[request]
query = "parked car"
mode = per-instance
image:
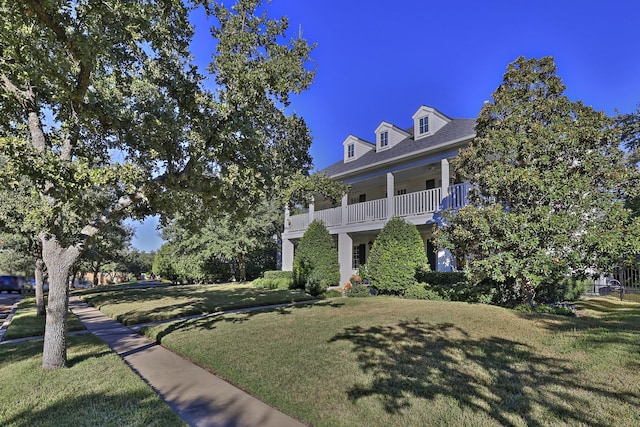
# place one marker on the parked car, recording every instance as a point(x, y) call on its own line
point(12, 284)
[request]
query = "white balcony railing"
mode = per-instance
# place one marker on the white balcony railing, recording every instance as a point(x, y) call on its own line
point(298, 222)
point(330, 217)
point(367, 211)
point(417, 203)
point(458, 196)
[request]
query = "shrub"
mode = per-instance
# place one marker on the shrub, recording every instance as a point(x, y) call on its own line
point(278, 274)
point(331, 293)
point(316, 284)
point(565, 289)
point(396, 256)
point(359, 291)
point(441, 278)
point(421, 291)
point(561, 309)
point(281, 283)
point(317, 256)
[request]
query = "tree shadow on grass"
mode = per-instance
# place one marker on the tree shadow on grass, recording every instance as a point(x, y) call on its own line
point(610, 324)
point(507, 380)
point(188, 300)
point(119, 408)
point(210, 322)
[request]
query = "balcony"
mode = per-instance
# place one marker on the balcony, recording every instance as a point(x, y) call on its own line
point(405, 205)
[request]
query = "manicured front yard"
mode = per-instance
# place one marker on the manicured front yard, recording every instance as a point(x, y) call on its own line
point(97, 390)
point(132, 306)
point(384, 361)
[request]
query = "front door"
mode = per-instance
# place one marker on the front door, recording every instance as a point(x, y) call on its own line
point(431, 255)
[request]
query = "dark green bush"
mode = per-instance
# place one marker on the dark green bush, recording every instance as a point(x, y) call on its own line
point(566, 289)
point(331, 293)
point(281, 283)
point(359, 291)
point(454, 286)
point(421, 291)
point(278, 274)
point(396, 256)
point(441, 278)
point(317, 256)
point(316, 284)
point(561, 309)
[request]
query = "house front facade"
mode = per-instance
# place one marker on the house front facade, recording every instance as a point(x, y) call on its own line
point(404, 173)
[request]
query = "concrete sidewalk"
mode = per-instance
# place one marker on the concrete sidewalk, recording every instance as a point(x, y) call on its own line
point(197, 396)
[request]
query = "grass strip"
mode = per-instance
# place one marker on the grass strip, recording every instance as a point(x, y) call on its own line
point(98, 389)
point(26, 322)
point(142, 305)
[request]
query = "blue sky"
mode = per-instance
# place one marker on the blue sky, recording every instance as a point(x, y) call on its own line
point(380, 60)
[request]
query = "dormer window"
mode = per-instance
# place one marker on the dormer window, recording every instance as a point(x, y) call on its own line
point(384, 139)
point(424, 125)
point(353, 148)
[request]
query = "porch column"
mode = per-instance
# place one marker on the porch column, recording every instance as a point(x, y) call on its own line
point(345, 257)
point(345, 209)
point(287, 216)
point(390, 194)
point(444, 180)
point(287, 255)
point(312, 210)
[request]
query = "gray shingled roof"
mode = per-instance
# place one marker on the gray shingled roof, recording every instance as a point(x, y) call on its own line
point(455, 130)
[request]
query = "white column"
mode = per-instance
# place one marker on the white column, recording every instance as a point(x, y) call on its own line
point(345, 257)
point(287, 216)
point(390, 194)
point(287, 255)
point(345, 209)
point(312, 209)
point(444, 179)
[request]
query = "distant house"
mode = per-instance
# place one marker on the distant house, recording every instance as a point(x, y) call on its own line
point(404, 173)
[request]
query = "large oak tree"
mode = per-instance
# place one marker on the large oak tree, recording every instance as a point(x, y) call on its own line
point(102, 97)
point(550, 182)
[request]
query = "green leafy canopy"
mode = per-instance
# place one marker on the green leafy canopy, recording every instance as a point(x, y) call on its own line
point(550, 183)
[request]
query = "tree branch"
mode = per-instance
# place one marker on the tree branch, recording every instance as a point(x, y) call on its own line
point(27, 99)
point(90, 230)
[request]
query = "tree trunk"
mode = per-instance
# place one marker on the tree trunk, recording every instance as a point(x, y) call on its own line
point(58, 261)
point(242, 267)
point(96, 271)
point(39, 276)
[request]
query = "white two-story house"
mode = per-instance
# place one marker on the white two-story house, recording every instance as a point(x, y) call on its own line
point(405, 173)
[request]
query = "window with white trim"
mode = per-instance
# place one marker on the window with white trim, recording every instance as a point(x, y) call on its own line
point(424, 125)
point(384, 139)
point(351, 151)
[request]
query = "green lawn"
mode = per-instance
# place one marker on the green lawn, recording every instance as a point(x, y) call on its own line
point(132, 306)
point(26, 323)
point(97, 390)
point(385, 361)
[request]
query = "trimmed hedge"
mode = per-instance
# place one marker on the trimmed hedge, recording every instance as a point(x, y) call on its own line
point(359, 291)
point(278, 274)
point(454, 286)
point(441, 278)
point(281, 283)
point(566, 289)
point(421, 291)
point(397, 254)
point(315, 262)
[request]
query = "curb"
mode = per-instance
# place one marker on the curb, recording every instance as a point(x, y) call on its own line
point(7, 321)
